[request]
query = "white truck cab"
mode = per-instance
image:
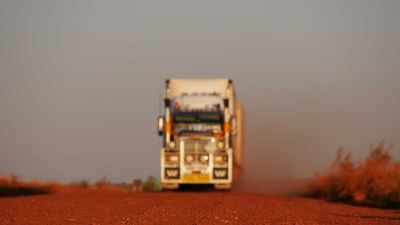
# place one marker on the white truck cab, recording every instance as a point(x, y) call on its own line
point(202, 129)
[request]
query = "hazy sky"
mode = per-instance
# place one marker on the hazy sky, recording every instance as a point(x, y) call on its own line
point(80, 80)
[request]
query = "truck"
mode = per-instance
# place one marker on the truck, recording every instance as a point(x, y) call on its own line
point(202, 128)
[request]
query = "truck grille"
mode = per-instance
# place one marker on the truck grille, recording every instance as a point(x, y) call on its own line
point(194, 149)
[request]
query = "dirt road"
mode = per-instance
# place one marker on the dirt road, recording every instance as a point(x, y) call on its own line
point(115, 207)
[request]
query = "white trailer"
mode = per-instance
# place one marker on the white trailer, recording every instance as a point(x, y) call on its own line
point(202, 129)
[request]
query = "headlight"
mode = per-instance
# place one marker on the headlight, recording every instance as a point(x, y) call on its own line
point(189, 158)
point(218, 158)
point(204, 158)
point(172, 158)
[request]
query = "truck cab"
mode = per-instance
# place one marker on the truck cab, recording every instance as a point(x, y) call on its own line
point(200, 130)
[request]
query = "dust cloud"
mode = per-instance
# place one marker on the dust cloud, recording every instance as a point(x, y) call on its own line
point(293, 131)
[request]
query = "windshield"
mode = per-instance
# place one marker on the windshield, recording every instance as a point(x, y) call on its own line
point(198, 117)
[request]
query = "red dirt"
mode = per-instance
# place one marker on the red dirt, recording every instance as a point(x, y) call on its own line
point(117, 207)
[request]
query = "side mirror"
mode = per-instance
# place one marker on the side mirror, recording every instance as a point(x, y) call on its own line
point(160, 125)
point(234, 126)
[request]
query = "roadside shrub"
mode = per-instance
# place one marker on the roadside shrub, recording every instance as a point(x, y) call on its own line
point(151, 184)
point(374, 180)
point(103, 182)
point(122, 185)
point(84, 183)
point(11, 186)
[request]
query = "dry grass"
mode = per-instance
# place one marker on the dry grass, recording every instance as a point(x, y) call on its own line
point(373, 181)
point(11, 186)
point(149, 185)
